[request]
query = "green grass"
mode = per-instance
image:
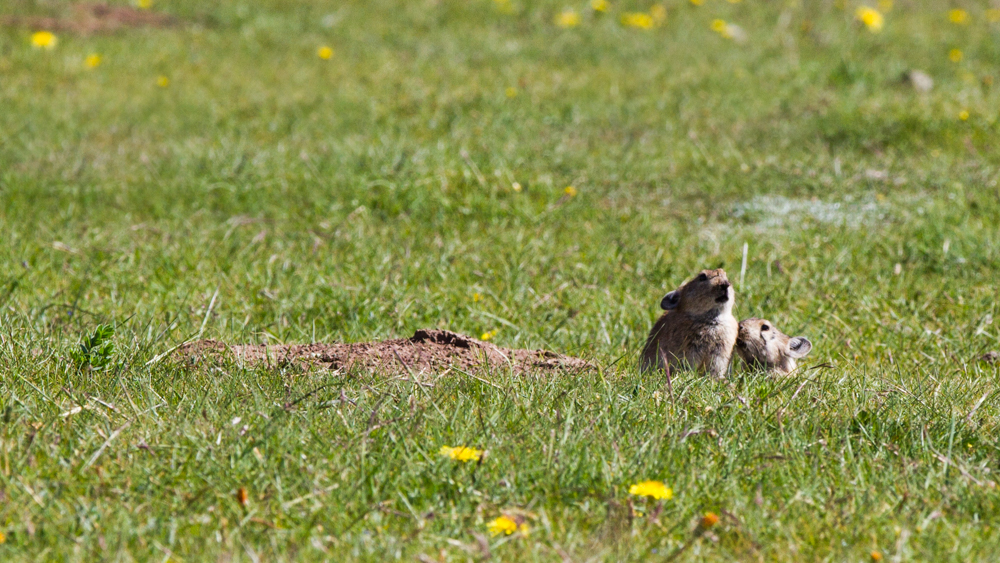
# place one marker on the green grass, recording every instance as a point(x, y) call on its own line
point(368, 195)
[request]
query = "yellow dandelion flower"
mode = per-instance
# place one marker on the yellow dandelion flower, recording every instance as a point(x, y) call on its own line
point(502, 525)
point(871, 17)
point(144, 4)
point(885, 5)
point(655, 489)
point(44, 40)
point(697, 2)
point(477, 297)
point(162, 81)
point(876, 556)
point(487, 336)
point(511, 92)
point(92, 61)
point(567, 19)
point(600, 5)
point(955, 55)
point(708, 520)
point(658, 13)
point(963, 115)
point(324, 53)
point(461, 453)
point(958, 16)
point(639, 20)
point(993, 15)
point(3, 537)
point(570, 191)
point(728, 30)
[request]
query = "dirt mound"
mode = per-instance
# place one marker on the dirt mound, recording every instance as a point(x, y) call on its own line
point(85, 19)
point(427, 351)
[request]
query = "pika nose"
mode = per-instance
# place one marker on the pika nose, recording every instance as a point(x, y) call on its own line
point(724, 285)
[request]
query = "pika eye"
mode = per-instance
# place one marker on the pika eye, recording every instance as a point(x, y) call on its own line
point(764, 327)
point(702, 277)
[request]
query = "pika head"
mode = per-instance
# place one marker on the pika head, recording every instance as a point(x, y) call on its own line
point(707, 293)
point(761, 345)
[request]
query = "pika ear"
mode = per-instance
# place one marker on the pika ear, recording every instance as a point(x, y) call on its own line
point(670, 300)
point(799, 346)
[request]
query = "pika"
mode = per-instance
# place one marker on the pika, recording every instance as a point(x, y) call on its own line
point(761, 345)
point(698, 329)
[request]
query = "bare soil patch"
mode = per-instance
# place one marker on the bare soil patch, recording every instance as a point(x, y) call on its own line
point(427, 351)
point(87, 19)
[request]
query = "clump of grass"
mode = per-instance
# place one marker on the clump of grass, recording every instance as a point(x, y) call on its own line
point(96, 351)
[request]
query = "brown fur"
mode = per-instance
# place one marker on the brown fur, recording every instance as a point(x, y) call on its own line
point(762, 346)
point(698, 330)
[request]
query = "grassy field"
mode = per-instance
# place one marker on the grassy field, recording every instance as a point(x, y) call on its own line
point(220, 178)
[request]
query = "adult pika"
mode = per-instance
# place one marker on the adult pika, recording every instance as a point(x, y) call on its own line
point(698, 329)
point(761, 345)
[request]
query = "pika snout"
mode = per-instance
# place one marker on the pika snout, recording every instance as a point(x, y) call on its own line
point(724, 292)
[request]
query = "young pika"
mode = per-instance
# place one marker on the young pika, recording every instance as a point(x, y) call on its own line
point(698, 330)
point(761, 345)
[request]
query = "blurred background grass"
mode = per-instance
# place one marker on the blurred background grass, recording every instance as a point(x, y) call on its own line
point(428, 159)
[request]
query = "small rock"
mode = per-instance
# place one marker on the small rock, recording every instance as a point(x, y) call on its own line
point(920, 80)
point(737, 33)
point(991, 357)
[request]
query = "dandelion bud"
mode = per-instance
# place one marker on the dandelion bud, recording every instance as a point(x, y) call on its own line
point(708, 520)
